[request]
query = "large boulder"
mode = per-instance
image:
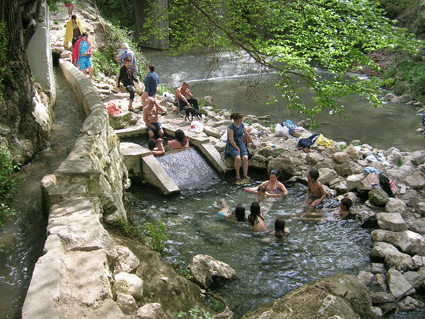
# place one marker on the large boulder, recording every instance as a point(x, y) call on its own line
point(151, 311)
point(129, 284)
point(381, 249)
point(416, 180)
point(386, 236)
point(391, 221)
point(378, 197)
point(412, 243)
point(206, 270)
point(399, 261)
point(335, 296)
point(397, 284)
point(326, 175)
point(340, 157)
point(126, 261)
point(394, 205)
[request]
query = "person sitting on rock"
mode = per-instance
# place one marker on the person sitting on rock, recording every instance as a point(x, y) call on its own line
point(156, 150)
point(150, 117)
point(181, 100)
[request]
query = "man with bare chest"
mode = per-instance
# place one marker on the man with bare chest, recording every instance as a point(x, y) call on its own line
point(180, 96)
point(150, 117)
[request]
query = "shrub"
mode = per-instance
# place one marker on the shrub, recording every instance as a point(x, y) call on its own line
point(7, 184)
point(158, 236)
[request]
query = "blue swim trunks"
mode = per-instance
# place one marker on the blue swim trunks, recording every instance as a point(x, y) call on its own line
point(155, 132)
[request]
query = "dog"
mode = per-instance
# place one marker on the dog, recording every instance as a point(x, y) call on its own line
point(193, 112)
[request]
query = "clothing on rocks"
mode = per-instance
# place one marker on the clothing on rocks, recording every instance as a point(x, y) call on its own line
point(321, 140)
point(112, 108)
point(238, 138)
point(307, 142)
point(71, 33)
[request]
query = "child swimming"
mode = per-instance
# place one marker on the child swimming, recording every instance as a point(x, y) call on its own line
point(256, 219)
point(237, 214)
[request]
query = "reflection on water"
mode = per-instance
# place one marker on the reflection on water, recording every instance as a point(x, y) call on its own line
point(24, 234)
point(233, 86)
point(264, 271)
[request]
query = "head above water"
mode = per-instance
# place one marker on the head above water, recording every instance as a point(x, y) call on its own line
point(261, 190)
point(240, 213)
point(347, 203)
point(279, 227)
point(273, 173)
point(180, 136)
point(314, 174)
point(151, 144)
point(255, 209)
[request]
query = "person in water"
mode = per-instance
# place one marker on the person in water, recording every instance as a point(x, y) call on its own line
point(235, 145)
point(180, 142)
point(315, 191)
point(279, 233)
point(274, 188)
point(237, 214)
point(342, 213)
point(156, 150)
point(256, 219)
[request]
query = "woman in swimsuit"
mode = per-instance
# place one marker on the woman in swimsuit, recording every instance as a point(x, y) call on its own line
point(256, 219)
point(274, 188)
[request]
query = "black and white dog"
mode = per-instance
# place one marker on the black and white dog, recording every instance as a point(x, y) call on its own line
point(193, 112)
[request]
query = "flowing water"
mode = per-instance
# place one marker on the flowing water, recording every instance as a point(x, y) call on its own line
point(241, 85)
point(24, 235)
point(264, 271)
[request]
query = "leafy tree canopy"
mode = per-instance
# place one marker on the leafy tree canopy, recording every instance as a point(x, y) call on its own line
point(293, 37)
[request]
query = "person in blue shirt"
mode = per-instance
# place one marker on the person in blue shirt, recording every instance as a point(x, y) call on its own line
point(151, 85)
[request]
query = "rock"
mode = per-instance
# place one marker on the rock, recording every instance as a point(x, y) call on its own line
point(335, 296)
point(412, 277)
point(353, 181)
point(314, 158)
point(348, 168)
point(207, 101)
point(220, 146)
point(127, 303)
point(409, 304)
point(412, 243)
point(394, 205)
point(378, 268)
point(367, 183)
point(365, 277)
point(365, 217)
point(326, 175)
point(397, 284)
point(212, 132)
point(380, 281)
point(352, 152)
point(340, 157)
point(381, 297)
point(151, 311)
point(418, 158)
point(377, 312)
point(386, 236)
point(126, 261)
point(381, 249)
point(415, 181)
point(129, 284)
point(341, 187)
point(391, 221)
point(399, 261)
point(418, 261)
point(206, 270)
point(378, 197)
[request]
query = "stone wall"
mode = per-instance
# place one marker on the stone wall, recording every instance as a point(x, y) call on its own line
point(73, 277)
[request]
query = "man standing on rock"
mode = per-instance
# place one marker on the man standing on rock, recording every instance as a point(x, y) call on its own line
point(126, 53)
point(151, 85)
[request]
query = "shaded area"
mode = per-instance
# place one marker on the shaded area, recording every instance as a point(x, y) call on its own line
point(24, 235)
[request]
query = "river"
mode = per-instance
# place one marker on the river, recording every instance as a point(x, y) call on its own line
point(239, 84)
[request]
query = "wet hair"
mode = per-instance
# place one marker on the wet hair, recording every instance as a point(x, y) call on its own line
point(85, 34)
point(73, 17)
point(255, 213)
point(314, 174)
point(240, 213)
point(151, 67)
point(273, 172)
point(347, 202)
point(236, 116)
point(279, 227)
point(151, 144)
point(261, 189)
point(181, 137)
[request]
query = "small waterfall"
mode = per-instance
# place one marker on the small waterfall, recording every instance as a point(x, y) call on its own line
point(189, 170)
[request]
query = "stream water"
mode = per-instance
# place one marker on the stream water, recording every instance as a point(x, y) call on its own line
point(239, 84)
point(24, 234)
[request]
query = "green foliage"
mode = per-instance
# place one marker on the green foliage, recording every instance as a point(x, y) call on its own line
point(164, 88)
point(194, 313)
point(127, 229)
point(55, 4)
point(407, 76)
point(7, 184)
point(157, 234)
point(4, 45)
point(399, 162)
point(272, 126)
point(186, 273)
point(294, 38)
point(119, 12)
point(248, 121)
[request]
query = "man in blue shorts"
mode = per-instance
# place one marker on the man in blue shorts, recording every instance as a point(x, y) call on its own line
point(150, 117)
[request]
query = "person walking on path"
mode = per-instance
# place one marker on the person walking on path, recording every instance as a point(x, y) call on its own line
point(127, 78)
point(82, 53)
point(73, 31)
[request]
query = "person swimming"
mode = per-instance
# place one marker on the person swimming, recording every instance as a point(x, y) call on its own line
point(279, 233)
point(237, 214)
point(274, 188)
point(256, 219)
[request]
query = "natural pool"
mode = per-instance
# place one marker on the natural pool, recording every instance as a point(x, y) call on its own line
point(264, 271)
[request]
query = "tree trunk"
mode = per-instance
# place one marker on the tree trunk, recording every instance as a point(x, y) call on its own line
point(17, 86)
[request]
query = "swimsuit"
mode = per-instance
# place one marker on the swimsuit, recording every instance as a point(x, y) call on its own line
point(313, 198)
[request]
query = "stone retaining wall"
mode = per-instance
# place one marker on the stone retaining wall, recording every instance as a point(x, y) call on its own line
point(73, 277)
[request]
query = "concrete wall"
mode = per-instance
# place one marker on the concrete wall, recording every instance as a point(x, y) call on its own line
point(73, 277)
point(158, 10)
point(39, 53)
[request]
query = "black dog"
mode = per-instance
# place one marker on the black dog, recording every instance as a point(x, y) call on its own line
point(193, 112)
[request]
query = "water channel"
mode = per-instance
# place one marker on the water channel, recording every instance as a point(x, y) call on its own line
point(25, 233)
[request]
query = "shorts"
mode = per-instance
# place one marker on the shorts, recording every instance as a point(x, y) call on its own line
point(156, 132)
point(84, 62)
point(313, 198)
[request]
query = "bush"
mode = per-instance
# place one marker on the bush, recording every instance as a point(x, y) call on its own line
point(158, 236)
point(7, 184)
